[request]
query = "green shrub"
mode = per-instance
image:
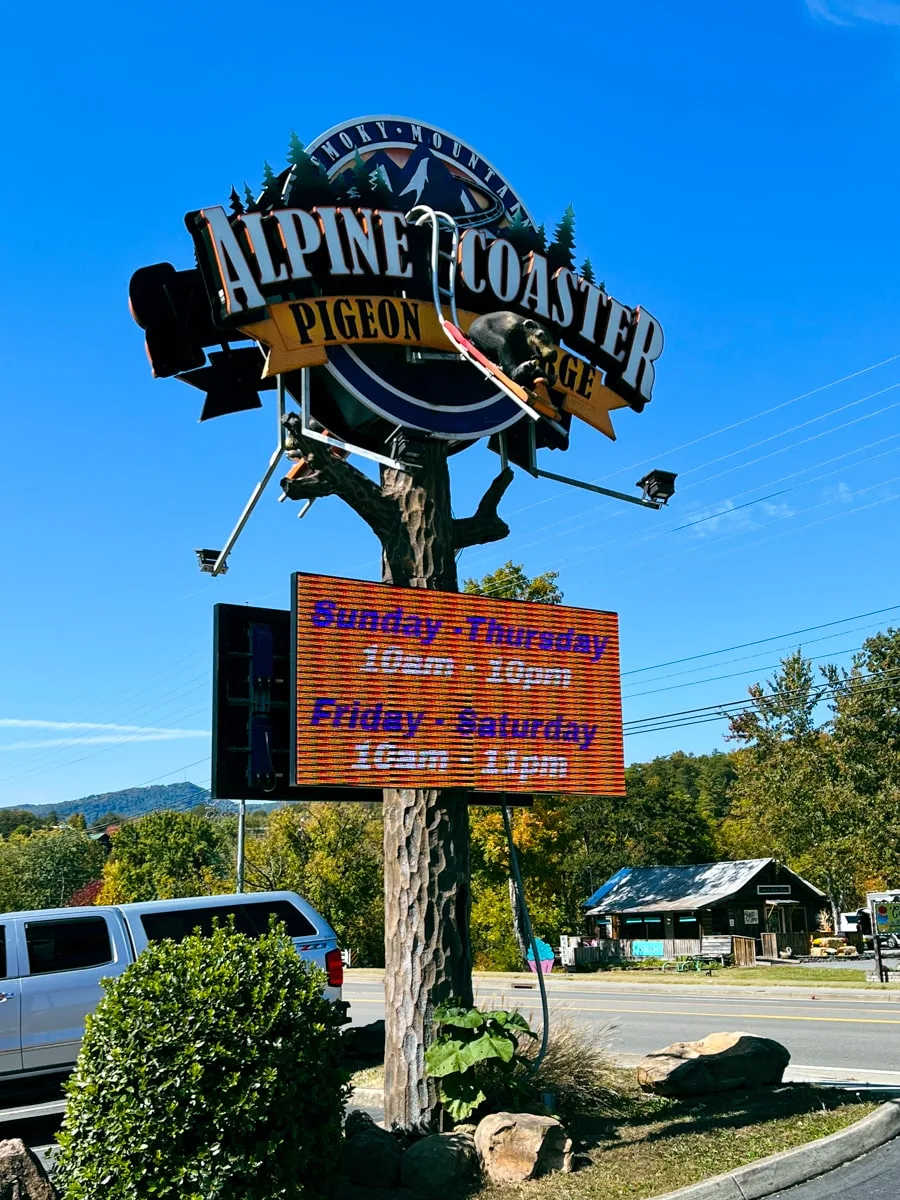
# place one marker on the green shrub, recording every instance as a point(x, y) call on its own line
point(211, 1071)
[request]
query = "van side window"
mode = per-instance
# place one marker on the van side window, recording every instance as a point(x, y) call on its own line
point(250, 919)
point(297, 925)
point(179, 923)
point(3, 970)
point(67, 945)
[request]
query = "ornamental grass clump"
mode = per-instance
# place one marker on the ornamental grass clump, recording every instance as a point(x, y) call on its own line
point(210, 1071)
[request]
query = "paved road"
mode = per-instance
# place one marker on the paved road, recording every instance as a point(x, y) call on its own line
point(849, 1033)
point(875, 1176)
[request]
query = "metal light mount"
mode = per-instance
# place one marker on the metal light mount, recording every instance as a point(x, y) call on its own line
point(207, 559)
point(658, 487)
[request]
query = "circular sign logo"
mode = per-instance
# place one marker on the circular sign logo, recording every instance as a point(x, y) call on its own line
point(408, 163)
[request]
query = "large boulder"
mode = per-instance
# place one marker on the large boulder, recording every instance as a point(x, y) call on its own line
point(372, 1157)
point(440, 1165)
point(21, 1175)
point(364, 1043)
point(514, 1147)
point(722, 1062)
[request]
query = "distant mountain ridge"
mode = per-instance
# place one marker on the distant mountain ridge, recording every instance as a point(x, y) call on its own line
point(129, 803)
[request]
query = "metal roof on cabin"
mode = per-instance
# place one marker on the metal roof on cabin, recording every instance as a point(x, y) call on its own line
point(676, 889)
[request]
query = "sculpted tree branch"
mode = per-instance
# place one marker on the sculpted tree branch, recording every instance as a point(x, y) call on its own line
point(325, 473)
point(486, 525)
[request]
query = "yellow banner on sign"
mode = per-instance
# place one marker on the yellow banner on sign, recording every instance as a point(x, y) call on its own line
point(298, 333)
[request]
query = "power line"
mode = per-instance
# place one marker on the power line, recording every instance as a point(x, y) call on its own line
point(789, 646)
point(729, 708)
point(725, 428)
point(674, 687)
point(674, 662)
point(739, 466)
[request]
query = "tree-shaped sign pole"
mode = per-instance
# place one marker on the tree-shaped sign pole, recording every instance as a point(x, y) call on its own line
point(391, 334)
point(426, 830)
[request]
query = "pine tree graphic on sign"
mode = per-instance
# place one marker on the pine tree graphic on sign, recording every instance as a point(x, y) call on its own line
point(561, 251)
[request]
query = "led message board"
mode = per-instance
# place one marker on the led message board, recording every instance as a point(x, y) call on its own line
point(397, 687)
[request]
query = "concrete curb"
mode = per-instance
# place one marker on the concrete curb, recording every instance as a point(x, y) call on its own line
point(367, 1098)
point(790, 1167)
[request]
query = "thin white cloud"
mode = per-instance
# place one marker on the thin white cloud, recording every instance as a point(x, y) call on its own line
point(849, 12)
point(107, 739)
point(30, 723)
point(725, 515)
point(98, 733)
point(779, 511)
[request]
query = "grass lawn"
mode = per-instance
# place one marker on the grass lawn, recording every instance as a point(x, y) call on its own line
point(763, 976)
point(651, 1145)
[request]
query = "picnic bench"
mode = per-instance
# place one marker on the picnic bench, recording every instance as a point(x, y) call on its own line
point(714, 950)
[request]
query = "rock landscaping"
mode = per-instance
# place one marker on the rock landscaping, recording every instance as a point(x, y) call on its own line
point(503, 1147)
point(721, 1062)
point(21, 1175)
point(516, 1147)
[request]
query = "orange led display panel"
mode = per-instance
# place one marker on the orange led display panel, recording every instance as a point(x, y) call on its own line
point(397, 687)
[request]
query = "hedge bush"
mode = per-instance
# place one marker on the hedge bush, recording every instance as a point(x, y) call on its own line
point(210, 1071)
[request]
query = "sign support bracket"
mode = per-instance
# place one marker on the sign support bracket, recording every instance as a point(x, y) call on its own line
point(329, 439)
point(593, 487)
point(218, 567)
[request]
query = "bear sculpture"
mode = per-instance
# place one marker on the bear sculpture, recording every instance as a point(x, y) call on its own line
point(521, 348)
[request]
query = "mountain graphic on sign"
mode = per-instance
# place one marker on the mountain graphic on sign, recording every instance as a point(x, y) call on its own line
point(426, 179)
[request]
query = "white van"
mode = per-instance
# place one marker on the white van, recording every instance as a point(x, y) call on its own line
point(52, 962)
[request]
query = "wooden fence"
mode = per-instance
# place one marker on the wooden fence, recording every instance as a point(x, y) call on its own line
point(616, 950)
point(744, 951)
point(774, 943)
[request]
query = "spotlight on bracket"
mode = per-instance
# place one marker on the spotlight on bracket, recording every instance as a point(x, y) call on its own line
point(658, 486)
point(207, 559)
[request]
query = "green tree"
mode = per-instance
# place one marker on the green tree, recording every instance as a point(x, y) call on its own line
point(510, 582)
point(308, 184)
point(250, 204)
point(271, 191)
point(382, 193)
point(587, 271)
point(360, 188)
point(77, 821)
point(332, 855)
point(546, 842)
point(44, 869)
point(344, 875)
point(561, 251)
point(15, 820)
point(164, 855)
point(866, 738)
point(235, 202)
point(521, 234)
point(790, 799)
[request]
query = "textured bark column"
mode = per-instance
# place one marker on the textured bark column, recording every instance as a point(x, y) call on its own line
point(426, 936)
point(426, 831)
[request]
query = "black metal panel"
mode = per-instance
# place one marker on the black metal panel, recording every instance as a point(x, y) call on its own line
point(252, 683)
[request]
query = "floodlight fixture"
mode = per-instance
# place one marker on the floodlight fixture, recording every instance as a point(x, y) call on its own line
point(658, 487)
point(207, 560)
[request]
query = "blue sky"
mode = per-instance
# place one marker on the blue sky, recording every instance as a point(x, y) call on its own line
point(733, 169)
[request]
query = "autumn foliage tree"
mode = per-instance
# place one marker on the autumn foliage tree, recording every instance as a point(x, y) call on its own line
point(164, 855)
